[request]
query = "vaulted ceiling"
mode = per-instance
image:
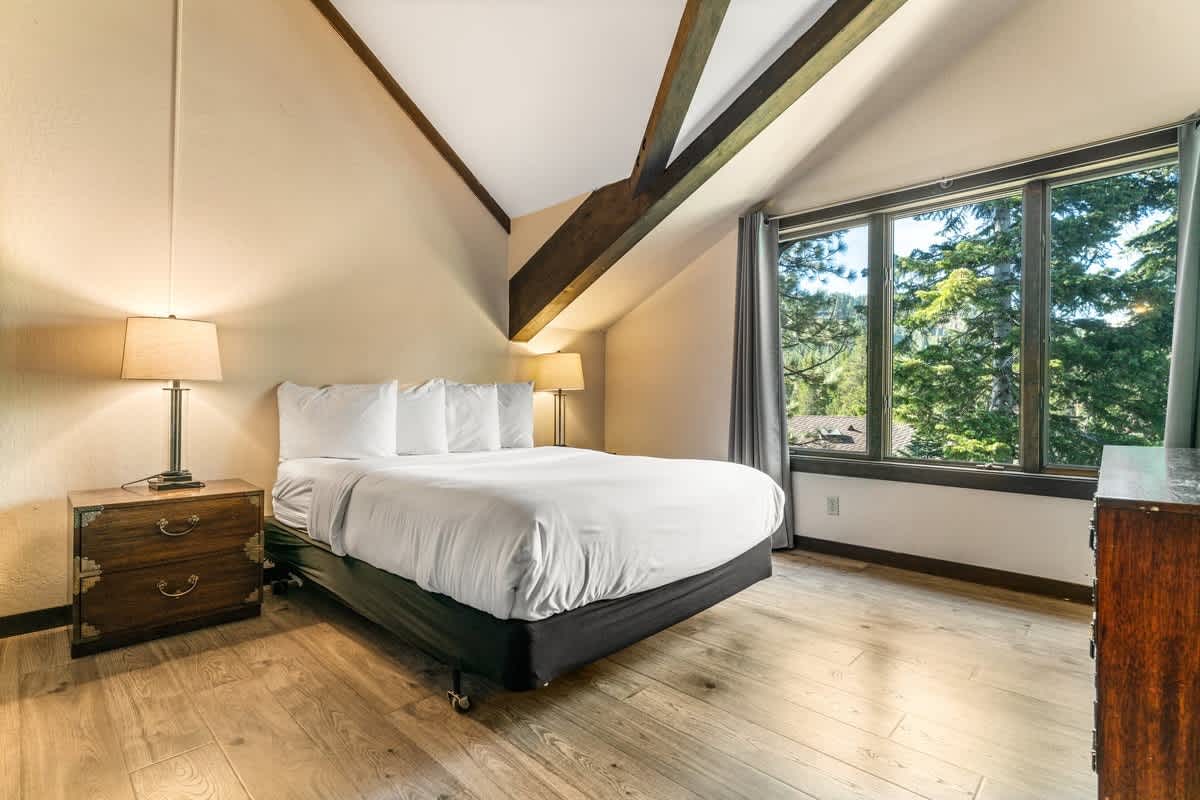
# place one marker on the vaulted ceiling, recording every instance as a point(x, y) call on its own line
point(546, 99)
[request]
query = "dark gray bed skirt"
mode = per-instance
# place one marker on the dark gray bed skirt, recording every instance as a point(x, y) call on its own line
point(515, 653)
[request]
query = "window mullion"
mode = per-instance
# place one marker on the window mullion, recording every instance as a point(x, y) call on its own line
point(1035, 324)
point(878, 335)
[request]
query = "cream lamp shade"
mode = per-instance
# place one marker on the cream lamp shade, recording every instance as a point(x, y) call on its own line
point(558, 372)
point(170, 349)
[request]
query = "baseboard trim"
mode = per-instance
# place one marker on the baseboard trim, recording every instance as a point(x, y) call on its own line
point(30, 621)
point(1030, 584)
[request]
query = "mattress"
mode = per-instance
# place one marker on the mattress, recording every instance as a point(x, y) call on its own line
point(530, 533)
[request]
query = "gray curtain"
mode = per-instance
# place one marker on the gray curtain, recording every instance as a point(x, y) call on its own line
point(1183, 389)
point(757, 417)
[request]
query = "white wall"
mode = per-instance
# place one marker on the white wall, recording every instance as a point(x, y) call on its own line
point(1045, 536)
point(1049, 75)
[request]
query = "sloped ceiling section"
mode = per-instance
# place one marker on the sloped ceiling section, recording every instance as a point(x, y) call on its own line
point(613, 219)
point(542, 100)
point(546, 99)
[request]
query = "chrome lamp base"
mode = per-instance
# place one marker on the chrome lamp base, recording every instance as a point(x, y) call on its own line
point(171, 479)
point(176, 477)
point(560, 418)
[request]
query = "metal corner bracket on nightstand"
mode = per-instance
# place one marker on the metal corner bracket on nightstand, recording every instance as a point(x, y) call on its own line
point(148, 564)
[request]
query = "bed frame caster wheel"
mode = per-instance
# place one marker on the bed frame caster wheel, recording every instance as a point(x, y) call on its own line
point(280, 586)
point(459, 702)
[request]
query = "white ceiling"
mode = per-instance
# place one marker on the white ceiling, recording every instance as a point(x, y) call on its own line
point(546, 99)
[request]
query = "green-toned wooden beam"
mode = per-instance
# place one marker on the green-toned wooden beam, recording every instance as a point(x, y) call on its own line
point(614, 218)
point(694, 39)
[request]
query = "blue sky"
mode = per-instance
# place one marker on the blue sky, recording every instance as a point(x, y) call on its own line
point(909, 234)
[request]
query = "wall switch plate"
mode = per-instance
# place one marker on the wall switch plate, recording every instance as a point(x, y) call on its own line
point(833, 505)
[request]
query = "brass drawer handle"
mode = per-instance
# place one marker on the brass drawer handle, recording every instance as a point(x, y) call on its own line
point(194, 520)
point(192, 581)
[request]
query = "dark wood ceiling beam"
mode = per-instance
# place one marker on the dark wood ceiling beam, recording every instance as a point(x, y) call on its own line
point(376, 67)
point(613, 219)
point(694, 39)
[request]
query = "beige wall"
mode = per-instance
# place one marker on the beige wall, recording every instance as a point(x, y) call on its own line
point(1051, 75)
point(314, 224)
point(669, 363)
point(585, 410)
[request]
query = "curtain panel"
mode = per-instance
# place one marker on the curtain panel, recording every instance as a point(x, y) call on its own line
point(1183, 388)
point(758, 414)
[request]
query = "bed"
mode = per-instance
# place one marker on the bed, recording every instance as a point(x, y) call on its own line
point(523, 564)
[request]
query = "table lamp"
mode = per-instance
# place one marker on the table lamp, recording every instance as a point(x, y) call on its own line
point(170, 349)
point(559, 373)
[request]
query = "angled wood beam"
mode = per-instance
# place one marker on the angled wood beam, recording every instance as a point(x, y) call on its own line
point(613, 219)
point(694, 39)
point(376, 67)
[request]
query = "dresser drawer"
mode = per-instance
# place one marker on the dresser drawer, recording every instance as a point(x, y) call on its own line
point(164, 593)
point(136, 536)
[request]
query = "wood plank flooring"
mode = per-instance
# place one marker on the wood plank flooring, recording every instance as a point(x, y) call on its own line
point(833, 680)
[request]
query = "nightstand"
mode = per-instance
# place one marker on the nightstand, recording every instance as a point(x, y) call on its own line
point(148, 564)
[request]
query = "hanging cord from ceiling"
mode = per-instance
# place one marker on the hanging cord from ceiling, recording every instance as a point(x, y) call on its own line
point(173, 155)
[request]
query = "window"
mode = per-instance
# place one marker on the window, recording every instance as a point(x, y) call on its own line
point(1113, 244)
point(823, 321)
point(956, 278)
point(996, 331)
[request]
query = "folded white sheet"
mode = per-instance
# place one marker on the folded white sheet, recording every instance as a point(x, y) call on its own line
point(291, 496)
point(528, 533)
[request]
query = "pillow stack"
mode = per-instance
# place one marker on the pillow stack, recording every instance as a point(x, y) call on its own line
point(373, 420)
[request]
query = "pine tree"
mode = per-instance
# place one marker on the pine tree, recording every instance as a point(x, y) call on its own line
point(956, 331)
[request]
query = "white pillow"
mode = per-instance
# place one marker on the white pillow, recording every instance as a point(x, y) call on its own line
point(339, 421)
point(472, 417)
point(421, 418)
point(516, 414)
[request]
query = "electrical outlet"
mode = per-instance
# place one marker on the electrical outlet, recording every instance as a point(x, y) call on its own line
point(833, 505)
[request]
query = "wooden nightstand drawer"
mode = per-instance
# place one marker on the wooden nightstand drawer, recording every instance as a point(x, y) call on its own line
point(148, 564)
point(164, 593)
point(127, 538)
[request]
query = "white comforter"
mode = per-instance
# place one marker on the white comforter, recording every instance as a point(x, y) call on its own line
point(528, 533)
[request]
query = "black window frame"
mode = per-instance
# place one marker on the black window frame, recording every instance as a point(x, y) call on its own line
point(835, 226)
point(1033, 179)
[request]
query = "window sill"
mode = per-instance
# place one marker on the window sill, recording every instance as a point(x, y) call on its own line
point(1081, 488)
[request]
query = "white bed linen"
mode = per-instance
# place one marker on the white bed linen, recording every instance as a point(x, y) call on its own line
point(292, 493)
point(529, 533)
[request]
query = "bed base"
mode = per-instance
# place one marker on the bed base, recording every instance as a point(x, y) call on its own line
point(519, 655)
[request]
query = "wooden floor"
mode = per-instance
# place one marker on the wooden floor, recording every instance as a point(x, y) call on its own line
point(831, 680)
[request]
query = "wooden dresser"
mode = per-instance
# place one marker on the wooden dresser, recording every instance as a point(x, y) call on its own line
point(1146, 630)
point(147, 564)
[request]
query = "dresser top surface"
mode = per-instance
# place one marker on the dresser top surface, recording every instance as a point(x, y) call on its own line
point(1159, 475)
point(141, 494)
